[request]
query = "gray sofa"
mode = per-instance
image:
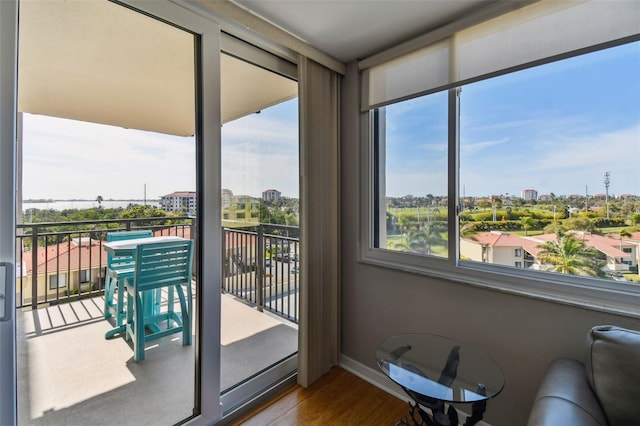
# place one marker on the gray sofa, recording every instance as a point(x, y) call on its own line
point(602, 391)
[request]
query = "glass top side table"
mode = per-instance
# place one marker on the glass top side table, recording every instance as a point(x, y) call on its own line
point(434, 370)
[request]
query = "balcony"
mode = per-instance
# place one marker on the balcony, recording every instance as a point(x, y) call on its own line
point(68, 373)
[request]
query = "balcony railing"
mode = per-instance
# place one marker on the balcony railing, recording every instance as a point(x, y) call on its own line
point(57, 265)
point(262, 266)
point(261, 263)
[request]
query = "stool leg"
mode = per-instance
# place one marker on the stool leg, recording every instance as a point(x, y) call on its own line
point(120, 311)
point(138, 326)
point(108, 296)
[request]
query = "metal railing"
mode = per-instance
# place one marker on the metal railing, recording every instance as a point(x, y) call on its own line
point(261, 263)
point(61, 265)
point(262, 266)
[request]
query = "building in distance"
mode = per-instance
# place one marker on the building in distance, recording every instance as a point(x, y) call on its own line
point(179, 202)
point(271, 195)
point(529, 194)
point(227, 198)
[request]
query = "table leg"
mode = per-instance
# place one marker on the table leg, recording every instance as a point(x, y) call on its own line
point(477, 411)
point(419, 417)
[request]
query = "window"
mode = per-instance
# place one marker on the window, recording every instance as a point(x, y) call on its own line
point(57, 281)
point(528, 159)
point(85, 276)
point(412, 183)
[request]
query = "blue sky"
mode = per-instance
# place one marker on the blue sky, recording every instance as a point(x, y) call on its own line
point(71, 159)
point(555, 128)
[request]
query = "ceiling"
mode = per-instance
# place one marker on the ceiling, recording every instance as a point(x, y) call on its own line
point(352, 29)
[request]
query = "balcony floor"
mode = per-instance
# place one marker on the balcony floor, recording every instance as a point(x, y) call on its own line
point(69, 374)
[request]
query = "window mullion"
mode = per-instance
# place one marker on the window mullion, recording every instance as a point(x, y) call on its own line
point(453, 173)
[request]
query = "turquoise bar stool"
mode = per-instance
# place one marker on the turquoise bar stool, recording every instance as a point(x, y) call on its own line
point(119, 267)
point(158, 266)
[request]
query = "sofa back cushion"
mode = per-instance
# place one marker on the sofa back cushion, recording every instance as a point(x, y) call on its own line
point(613, 368)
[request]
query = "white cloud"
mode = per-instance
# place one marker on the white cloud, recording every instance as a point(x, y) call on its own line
point(473, 148)
point(562, 165)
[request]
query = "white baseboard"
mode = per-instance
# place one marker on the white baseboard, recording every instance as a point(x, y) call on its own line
point(381, 381)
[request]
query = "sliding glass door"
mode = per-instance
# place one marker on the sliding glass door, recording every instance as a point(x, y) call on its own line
point(260, 220)
point(111, 127)
point(107, 113)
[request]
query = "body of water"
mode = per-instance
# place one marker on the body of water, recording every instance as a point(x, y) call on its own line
point(66, 204)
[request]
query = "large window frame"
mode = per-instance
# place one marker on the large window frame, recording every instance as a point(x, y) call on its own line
point(601, 295)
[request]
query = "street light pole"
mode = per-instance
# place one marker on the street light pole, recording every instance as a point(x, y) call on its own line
point(606, 193)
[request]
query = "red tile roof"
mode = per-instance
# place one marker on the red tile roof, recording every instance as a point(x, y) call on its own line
point(67, 256)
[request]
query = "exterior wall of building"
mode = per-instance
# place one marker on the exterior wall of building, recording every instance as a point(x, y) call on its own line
point(242, 212)
point(179, 202)
point(471, 250)
point(24, 289)
point(271, 195)
point(227, 198)
point(502, 256)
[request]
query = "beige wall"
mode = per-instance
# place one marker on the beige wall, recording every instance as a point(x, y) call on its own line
point(24, 290)
point(471, 250)
point(504, 256)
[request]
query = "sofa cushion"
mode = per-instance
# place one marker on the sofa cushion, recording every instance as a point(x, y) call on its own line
point(613, 369)
point(565, 398)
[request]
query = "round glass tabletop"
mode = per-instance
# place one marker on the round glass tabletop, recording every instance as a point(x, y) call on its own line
point(439, 368)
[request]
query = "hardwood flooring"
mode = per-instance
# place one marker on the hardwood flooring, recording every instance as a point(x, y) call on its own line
point(338, 398)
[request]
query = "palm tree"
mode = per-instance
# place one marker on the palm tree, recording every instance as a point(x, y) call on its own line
point(569, 255)
point(527, 223)
point(420, 239)
point(99, 199)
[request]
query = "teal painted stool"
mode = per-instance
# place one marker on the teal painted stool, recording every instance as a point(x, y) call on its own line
point(118, 268)
point(158, 266)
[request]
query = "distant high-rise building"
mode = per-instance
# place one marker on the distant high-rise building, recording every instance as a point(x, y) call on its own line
point(178, 202)
point(271, 195)
point(529, 194)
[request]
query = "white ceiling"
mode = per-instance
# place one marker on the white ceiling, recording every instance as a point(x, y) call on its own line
point(351, 29)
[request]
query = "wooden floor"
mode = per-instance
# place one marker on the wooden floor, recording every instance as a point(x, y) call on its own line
point(338, 398)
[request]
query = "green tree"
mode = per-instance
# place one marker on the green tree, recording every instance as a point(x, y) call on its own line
point(422, 238)
point(569, 255)
point(527, 223)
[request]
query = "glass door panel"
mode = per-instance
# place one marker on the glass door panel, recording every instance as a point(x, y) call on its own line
point(260, 220)
point(107, 101)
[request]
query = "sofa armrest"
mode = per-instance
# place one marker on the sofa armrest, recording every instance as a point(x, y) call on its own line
point(565, 398)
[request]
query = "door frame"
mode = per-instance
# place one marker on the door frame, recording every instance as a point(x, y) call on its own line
point(8, 128)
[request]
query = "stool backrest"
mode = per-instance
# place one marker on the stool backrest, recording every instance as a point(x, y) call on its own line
point(163, 264)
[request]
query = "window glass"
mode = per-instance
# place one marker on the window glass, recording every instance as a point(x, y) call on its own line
point(547, 176)
point(412, 183)
point(549, 164)
point(57, 281)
